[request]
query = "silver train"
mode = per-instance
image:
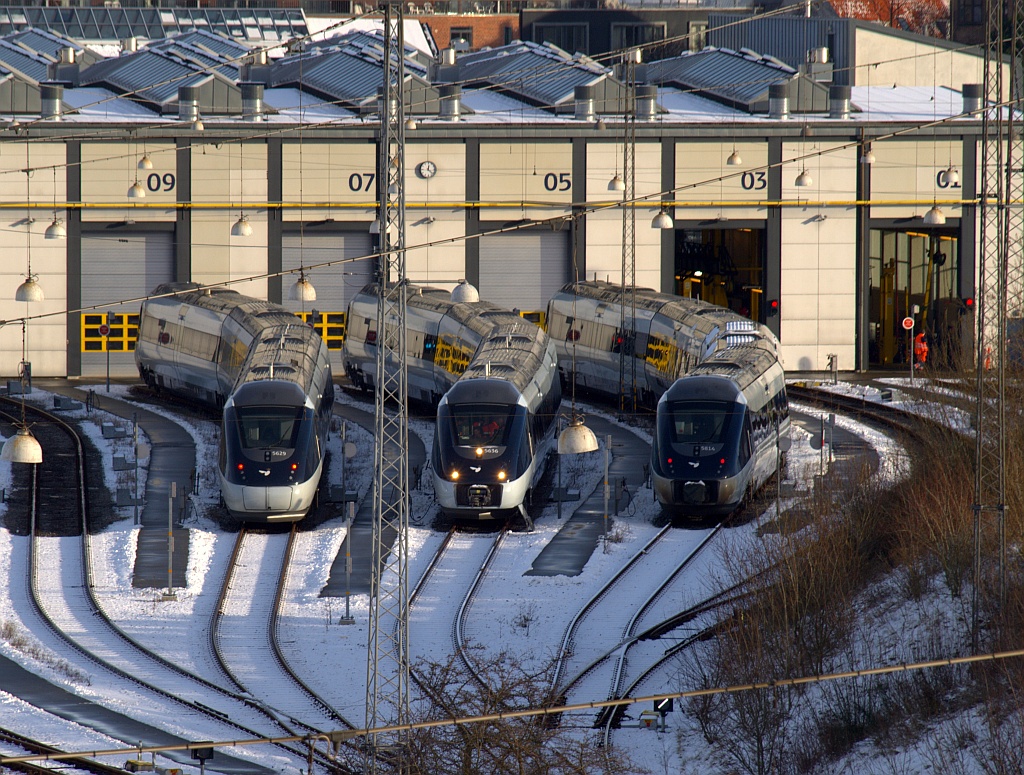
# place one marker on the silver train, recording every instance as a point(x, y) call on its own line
point(713, 375)
point(494, 379)
point(269, 372)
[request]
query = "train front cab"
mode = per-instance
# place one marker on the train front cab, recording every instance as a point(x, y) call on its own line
point(482, 459)
point(702, 451)
point(271, 453)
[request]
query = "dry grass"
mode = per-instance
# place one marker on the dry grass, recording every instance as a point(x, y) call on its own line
point(913, 540)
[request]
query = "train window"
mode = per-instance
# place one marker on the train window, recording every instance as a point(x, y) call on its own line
point(700, 422)
point(481, 424)
point(269, 426)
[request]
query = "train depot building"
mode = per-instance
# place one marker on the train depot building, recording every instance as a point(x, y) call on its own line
point(829, 205)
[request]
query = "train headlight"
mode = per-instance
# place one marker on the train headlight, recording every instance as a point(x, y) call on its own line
point(479, 452)
point(454, 476)
point(241, 467)
point(501, 476)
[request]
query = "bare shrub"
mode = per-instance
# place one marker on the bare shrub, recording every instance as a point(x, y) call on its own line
point(531, 746)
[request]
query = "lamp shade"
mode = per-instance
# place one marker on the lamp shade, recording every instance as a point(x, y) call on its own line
point(734, 159)
point(465, 293)
point(145, 163)
point(23, 447)
point(56, 230)
point(576, 438)
point(935, 216)
point(662, 221)
point(303, 290)
point(617, 183)
point(242, 227)
point(135, 191)
point(950, 176)
point(804, 179)
point(29, 290)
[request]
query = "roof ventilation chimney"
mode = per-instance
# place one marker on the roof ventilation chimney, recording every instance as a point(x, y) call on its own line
point(129, 45)
point(646, 97)
point(584, 100)
point(252, 101)
point(50, 99)
point(973, 93)
point(448, 56)
point(67, 55)
point(451, 105)
point(188, 103)
point(838, 101)
point(778, 101)
point(65, 69)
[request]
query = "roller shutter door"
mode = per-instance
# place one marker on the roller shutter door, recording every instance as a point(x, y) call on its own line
point(117, 267)
point(335, 285)
point(523, 270)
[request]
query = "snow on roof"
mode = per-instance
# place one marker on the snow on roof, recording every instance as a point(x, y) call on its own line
point(94, 104)
point(325, 27)
point(296, 105)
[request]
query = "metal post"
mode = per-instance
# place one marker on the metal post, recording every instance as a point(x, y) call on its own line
point(170, 541)
point(607, 456)
point(910, 350)
point(344, 481)
point(778, 469)
point(135, 441)
point(347, 619)
point(558, 467)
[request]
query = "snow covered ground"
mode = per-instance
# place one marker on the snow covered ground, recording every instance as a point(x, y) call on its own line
point(332, 655)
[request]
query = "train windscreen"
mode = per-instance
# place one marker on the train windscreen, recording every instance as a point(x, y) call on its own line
point(476, 425)
point(701, 422)
point(269, 426)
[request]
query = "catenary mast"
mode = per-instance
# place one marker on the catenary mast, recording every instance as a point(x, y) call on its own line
point(1000, 289)
point(387, 680)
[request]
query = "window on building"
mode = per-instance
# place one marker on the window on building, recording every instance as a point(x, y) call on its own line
point(568, 37)
point(637, 34)
point(462, 38)
point(698, 35)
point(971, 12)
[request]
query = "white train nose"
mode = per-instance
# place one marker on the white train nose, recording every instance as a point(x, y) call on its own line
point(267, 498)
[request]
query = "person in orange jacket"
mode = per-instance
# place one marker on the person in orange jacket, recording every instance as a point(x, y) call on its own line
point(920, 350)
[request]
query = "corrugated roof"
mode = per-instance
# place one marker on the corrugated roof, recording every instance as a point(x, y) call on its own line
point(219, 45)
point(542, 74)
point(735, 78)
point(150, 75)
point(94, 104)
point(32, 67)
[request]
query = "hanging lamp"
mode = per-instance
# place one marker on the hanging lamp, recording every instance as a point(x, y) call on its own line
point(465, 293)
point(662, 220)
point(242, 227)
point(302, 289)
point(804, 179)
point(935, 216)
point(734, 159)
point(617, 183)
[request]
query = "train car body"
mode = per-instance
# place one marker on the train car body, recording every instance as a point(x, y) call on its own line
point(494, 379)
point(713, 376)
point(269, 373)
point(719, 431)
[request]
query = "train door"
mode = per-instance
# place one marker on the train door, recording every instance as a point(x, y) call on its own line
point(915, 274)
point(724, 266)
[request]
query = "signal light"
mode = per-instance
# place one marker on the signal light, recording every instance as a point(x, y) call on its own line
point(501, 476)
point(295, 466)
point(969, 303)
point(241, 467)
point(669, 461)
point(455, 476)
point(773, 307)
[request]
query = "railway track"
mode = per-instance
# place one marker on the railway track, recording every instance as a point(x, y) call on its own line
point(244, 636)
point(13, 744)
point(64, 604)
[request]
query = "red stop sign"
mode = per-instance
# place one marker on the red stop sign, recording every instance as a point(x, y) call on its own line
point(908, 323)
point(104, 330)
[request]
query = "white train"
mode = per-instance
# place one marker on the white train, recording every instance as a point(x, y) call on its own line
point(713, 375)
point(268, 371)
point(494, 379)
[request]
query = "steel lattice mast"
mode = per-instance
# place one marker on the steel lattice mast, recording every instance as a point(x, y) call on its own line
point(1000, 281)
point(387, 679)
point(627, 325)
